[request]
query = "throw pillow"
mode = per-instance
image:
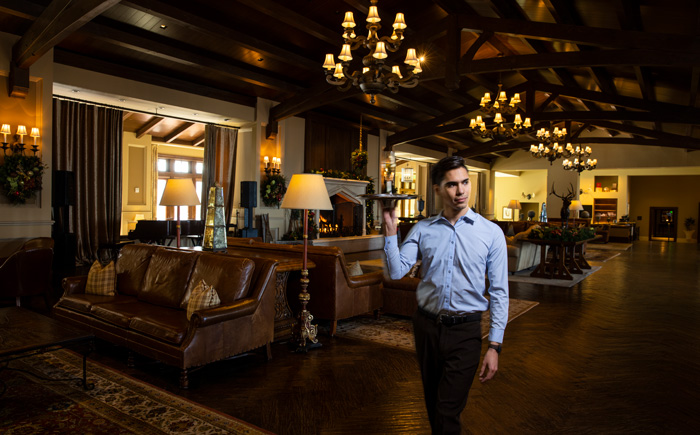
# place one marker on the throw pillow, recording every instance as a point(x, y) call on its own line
point(354, 269)
point(102, 280)
point(511, 231)
point(203, 296)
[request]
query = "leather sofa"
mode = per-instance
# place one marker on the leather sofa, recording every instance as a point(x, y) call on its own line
point(335, 294)
point(148, 313)
point(27, 272)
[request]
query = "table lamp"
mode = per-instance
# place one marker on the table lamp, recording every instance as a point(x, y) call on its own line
point(576, 207)
point(514, 204)
point(306, 192)
point(179, 192)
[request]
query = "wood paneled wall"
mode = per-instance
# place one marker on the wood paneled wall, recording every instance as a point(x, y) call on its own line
point(329, 144)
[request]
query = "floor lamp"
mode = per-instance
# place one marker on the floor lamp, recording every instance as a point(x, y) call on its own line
point(179, 192)
point(306, 192)
point(514, 204)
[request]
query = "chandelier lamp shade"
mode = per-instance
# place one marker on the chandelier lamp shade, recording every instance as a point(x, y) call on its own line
point(500, 103)
point(579, 166)
point(376, 75)
point(558, 151)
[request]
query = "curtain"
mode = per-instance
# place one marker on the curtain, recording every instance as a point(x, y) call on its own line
point(220, 145)
point(87, 140)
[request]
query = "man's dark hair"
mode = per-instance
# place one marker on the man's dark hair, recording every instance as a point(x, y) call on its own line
point(444, 166)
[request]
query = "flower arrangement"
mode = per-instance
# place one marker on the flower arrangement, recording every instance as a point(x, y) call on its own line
point(563, 234)
point(358, 158)
point(21, 176)
point(273, 189)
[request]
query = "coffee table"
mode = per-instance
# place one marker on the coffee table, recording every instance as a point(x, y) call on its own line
point(24, 333)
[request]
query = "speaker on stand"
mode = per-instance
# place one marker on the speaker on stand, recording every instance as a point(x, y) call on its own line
point(249, 200)
point(62, 198)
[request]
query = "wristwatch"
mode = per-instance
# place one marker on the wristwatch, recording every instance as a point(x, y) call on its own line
point(496, 347)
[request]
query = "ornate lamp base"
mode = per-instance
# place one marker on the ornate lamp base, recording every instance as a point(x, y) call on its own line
point(304, 330)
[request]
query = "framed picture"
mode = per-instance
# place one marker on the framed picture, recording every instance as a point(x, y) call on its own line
point(507, 213)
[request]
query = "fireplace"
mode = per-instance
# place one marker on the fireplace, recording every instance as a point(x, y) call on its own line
point(348, 215)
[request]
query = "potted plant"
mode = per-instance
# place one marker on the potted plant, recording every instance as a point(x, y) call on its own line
point(689, 231)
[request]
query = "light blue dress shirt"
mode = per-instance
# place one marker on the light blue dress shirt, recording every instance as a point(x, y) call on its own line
point(455, 263)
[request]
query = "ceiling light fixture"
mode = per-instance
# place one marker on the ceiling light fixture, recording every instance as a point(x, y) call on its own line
point(579, 166)
point(499, 107)
point(375, 76)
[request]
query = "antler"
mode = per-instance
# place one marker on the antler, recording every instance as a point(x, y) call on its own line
point(568, 196)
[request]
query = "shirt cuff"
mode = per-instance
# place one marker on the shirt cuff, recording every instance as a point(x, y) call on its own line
point(390, 241)
point(496, 335)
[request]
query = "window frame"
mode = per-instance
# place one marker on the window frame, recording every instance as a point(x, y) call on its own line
point(170, 212)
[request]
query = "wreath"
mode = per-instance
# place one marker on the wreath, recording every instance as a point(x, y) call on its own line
point(21, 176)
point(273, 189)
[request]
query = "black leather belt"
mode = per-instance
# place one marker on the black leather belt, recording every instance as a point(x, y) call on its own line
point(447, 320)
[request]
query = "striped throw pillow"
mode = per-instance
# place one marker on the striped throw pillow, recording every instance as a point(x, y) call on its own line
point(203, 296)
point(102, 280)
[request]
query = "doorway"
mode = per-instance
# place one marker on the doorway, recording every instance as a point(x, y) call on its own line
point(663, 223)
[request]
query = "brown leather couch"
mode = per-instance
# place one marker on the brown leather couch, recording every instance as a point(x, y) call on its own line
point(335, 295)
point(27, 272)
point(148, 314)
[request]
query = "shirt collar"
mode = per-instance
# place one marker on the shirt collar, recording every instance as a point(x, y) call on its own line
point(469, 217)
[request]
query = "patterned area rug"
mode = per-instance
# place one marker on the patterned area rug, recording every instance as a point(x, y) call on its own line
point(397, 331)
point(117, 405)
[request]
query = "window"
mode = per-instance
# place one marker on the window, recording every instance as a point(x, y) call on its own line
point(179, 167)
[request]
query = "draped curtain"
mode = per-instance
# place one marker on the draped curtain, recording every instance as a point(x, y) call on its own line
point(87, 140)
point(220, 145)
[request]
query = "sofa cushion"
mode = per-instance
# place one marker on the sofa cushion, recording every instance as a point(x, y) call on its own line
point(167, 276)
point(102, 280)
point(121, 313)
point(203, 296)
point(85, 302)
point(131, 267)
point(229, 275)
point(354, 269)
point(162, 323)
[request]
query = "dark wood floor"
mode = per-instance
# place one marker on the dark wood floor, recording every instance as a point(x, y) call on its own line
point(617, 353)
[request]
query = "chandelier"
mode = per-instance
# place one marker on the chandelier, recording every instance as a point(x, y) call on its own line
point(375, 76)
point(558, 151)
point(579, 166)
point(546, 137)
point(500, 129)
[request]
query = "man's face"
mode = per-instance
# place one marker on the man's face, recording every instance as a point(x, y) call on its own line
point(455, 189)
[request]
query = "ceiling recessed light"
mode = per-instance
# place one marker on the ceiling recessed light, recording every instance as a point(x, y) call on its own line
point(195, 114)
point(260, 59)
point(161, 108)
point(122, 100)
point(163, 26)
point(226, 119)
point(76, 91)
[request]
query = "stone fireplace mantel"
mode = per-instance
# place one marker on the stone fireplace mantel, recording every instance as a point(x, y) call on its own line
point(351, 191)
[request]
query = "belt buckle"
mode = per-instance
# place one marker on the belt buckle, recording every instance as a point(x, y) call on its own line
point(445, 319)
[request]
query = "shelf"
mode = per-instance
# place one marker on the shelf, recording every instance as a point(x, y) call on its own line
point(604, 209)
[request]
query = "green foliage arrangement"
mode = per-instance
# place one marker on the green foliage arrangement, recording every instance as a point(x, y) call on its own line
point(273, 189)
point(689, 223)
point(358, 158)
point(20, 177)
point(562, 234)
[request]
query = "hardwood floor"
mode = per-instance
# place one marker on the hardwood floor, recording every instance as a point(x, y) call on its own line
point(617, 353)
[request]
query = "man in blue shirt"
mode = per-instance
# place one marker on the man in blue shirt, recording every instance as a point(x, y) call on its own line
point(458, 248)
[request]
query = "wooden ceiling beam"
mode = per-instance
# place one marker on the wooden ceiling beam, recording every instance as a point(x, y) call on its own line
point(178, 132)
point(149, 126)
point(198, 141)
point(59, 19)
point(596, 36)
point(143, 42)
point(199, 24)
point(423, 130)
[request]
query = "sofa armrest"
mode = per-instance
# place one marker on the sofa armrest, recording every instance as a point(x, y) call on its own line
point(365, 279)
point(210, 316)
point(74, 285)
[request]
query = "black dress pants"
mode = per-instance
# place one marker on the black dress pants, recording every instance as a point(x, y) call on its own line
point(449, 358)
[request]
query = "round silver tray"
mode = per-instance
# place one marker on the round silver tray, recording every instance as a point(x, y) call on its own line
point(388, 200)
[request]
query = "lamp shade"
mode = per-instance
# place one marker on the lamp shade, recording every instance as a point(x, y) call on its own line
point(307, 192)
point(179, 191)
point(515, 204)
point(575, 205)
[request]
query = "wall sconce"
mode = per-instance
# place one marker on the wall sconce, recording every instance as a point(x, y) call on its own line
point(21, 132)
point(275, 167)
point(528, 196)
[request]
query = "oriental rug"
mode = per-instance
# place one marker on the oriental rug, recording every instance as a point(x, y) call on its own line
point(118, 404)
point(397, 331)
point(524, 276)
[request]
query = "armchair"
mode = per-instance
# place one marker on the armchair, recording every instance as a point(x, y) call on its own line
point(27, 272)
